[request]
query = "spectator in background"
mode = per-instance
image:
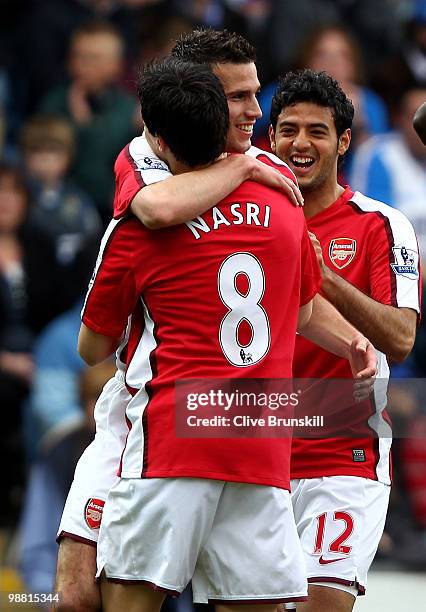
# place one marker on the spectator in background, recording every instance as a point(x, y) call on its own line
point(376, 23)
point(406, 68)
point(392, 168)
point(334, 50)
point(61, 209)
point(36, 36)
point(7, 146)
point(159, 42)
point(53, 406)
point(405, 538)
point(27, 303)
point(51, 476)
point(102, 114)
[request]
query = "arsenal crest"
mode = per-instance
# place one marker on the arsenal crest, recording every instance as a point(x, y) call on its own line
point(342, 251)
point(93, 512)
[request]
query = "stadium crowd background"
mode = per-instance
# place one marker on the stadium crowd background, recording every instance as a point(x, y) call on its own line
point(67, 107)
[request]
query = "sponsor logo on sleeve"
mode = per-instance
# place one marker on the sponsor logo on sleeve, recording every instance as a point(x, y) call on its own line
point(342, 251)
point(406, 262)
point(151, 163)
point(93, 512)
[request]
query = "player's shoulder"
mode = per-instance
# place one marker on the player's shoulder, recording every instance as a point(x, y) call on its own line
point(375, 208)
point(272, 160)
point(138, 154)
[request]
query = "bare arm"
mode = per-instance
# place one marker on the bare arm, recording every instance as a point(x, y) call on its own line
point(305, 313)
point(185, 196)
point(94, 347)
point(391, 330)
point(327, 328)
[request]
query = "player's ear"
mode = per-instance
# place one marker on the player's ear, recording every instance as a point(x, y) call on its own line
point(272, 138)
point(161, 143)
point(344, 142)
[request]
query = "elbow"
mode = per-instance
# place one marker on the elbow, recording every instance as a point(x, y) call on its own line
point(154, 214)
point(400, 351)
point(90, 360)
point(88, 356)
point(154, 222)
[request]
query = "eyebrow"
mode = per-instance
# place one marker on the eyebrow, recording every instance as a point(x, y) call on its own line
point(319, 124)
point(242, 91)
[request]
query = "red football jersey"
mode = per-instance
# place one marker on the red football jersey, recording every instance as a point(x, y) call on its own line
point(137, 166)
point(180, 287)
point(374, 247)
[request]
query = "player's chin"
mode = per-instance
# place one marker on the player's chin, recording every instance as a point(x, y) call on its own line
point(240, 143)
point(305, 182)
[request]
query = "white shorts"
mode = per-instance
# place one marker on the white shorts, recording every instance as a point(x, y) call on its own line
point(238, 542)
point(340, 520)
point(96, 470)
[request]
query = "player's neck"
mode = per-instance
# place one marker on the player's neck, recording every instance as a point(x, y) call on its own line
point(321, 198)
point(163, 152)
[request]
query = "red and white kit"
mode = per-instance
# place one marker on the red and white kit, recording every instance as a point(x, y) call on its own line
point(335, 480)
point(187, 289)
point(185, 326)
point(97, 468)
point(135, 167)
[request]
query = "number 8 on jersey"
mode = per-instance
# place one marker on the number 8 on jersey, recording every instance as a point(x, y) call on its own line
point(243, 308)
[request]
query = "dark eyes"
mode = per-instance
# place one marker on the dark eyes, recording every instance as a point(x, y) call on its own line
point(291, 132)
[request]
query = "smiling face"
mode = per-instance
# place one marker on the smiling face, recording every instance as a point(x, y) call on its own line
point(241, 86)
point(306, 139)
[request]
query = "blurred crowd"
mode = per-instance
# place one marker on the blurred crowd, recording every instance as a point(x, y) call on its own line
point(67, 107)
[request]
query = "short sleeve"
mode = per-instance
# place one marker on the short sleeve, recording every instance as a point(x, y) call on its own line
point(395, 275)
point(112, 294)
point(132, 173)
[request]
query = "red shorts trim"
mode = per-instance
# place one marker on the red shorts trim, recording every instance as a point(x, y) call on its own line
point(76, 538)
point(352, 583)
point(151, 585)
point(257, 601)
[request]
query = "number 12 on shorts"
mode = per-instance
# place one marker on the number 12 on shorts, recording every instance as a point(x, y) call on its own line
point(338, 544)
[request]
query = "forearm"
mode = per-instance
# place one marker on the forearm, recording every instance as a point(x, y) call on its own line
point(185, 196)
point(391, 330)
point(327, 328)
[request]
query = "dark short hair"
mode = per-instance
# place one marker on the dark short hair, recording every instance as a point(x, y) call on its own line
point(185, 104)
point(47, 132)
point(318, 88)
point(208, 46)
point(93, 27)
